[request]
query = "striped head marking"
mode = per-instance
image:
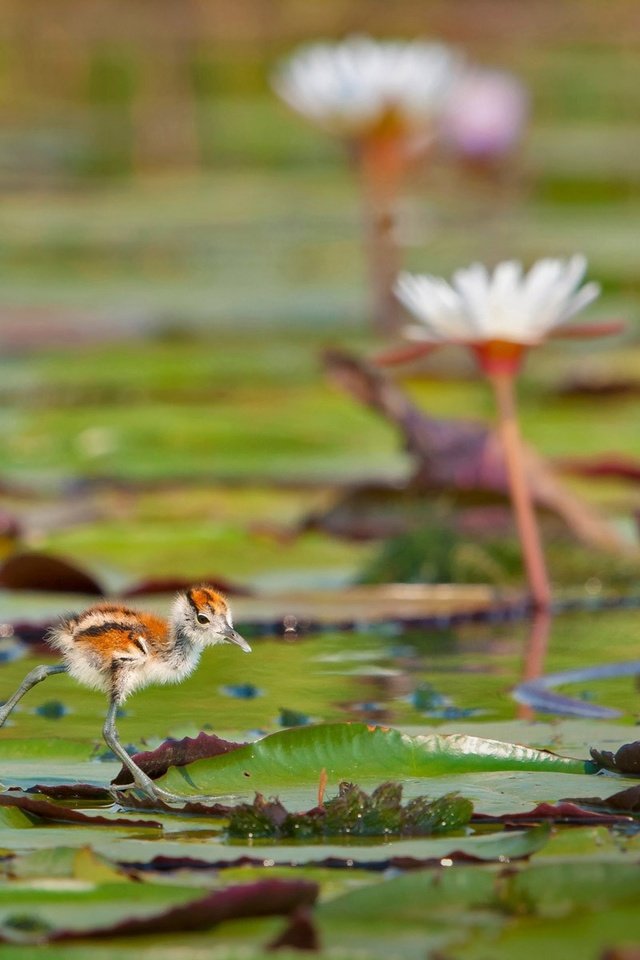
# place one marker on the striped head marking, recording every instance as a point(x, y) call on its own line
point(205, 615)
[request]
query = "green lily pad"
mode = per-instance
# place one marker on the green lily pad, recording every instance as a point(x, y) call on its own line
point(80, 905)
point(80, 863)
point(355, 751)
point(468, 907)
point(14, 819)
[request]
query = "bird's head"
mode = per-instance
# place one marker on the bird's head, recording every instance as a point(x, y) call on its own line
point(204, 615)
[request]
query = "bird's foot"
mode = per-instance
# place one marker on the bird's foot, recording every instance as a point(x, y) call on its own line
point(156, 795)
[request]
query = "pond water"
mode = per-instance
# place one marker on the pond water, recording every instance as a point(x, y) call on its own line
point(412, 678)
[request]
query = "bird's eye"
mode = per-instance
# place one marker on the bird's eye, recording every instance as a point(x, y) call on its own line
point(202, 619)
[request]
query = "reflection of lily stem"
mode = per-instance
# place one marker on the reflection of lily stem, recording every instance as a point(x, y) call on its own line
point(503, 387)
point(535, 652)
point(382, 166)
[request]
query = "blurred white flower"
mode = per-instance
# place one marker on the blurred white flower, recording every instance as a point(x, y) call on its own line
point(506, 305)
point(486, 113)
point(352, 86)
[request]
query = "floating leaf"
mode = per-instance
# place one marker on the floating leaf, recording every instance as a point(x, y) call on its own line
point(299, 934)
point(177, 753)
point(46, 810)
point(625, 801)
point(81, 863)
point(261, 899)
point(626, 760)
point(155, 585)
point(471, 905)
point(355, 751)
point(15, 818)
point(39, 571)
point(566, 812)
point(39, 911)
point(72, 791)
point(513, 845)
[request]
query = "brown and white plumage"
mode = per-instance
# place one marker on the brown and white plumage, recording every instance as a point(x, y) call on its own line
point(116, 649)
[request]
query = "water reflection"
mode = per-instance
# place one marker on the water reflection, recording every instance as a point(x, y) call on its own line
point(534, 657)
point(536, 692)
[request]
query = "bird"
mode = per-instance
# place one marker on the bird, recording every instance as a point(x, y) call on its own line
point(117, 650)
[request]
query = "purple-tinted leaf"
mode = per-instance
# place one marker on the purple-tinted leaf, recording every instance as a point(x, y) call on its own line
point(589, 331)
point(626, 801)
point(72, 791)
point(262, 899)
point(54, 812)
point(463, 456)
point(605, 465)
point(622, 953)
point(299, 934)
point(566, 812)
point(39, 571)
point(176, 584)
point(178, 753)
point(626, 760)
point(403, 353)
point(514, 846)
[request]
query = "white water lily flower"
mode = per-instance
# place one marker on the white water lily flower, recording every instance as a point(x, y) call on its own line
point(506, 305)
point(351, 86)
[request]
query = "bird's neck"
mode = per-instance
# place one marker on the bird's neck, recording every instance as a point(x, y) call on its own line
point(185, 648)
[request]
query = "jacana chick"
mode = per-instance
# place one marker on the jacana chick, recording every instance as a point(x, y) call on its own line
point(117, 650)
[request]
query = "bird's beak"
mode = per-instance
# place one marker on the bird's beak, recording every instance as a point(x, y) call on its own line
point(231, 636)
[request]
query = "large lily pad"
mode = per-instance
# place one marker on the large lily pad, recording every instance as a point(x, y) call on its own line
point(468, 907)
point(355, 751)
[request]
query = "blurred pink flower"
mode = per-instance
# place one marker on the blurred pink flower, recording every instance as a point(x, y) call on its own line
point(485, 114)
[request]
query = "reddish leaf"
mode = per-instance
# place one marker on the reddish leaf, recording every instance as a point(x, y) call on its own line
point(588, 331)
point(604, 465)
point(463, 456)
point(177, 753)
point(299, 934)
point(164, 864)
point(46, 810)
point(176, 584)
point(264, 898)
point(72, 791)
point(38, 571)
point(629, 952)
point(626, 801)
point(625, 760)
point(404, 353)
point(564, 812)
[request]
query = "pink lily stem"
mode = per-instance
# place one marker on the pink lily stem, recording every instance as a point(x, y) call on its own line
point(503, 387)
point(382, 164)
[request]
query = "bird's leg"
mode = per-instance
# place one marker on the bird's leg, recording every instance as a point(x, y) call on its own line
point(140, 778)
point(35, 676)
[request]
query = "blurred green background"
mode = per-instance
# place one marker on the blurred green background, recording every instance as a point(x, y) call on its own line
point(176, 248)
